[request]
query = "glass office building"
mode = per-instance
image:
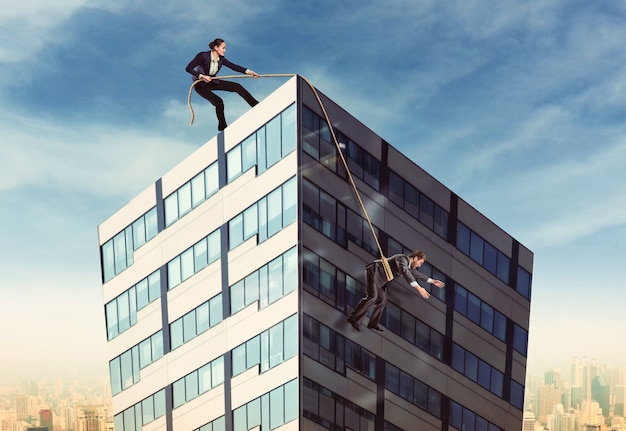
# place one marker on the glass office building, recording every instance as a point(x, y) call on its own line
point(228, 281)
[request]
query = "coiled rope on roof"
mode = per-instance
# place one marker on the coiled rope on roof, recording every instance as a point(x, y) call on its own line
point(386, 266)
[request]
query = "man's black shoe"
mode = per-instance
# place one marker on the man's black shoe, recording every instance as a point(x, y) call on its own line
point(375, 328)
point(354, 324)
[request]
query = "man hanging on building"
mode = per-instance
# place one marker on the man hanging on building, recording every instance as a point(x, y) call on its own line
point(376, 285)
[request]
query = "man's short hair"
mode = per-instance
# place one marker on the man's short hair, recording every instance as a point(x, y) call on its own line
point(419, 254)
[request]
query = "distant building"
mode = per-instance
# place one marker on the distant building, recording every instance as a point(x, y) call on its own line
point(227, 284)
point(90, 418)
point(600, 392)
point(45, 419)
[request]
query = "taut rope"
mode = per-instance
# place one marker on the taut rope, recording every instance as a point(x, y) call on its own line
point(386, 266)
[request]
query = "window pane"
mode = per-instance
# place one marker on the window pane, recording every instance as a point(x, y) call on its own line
point(171, 209)
point(108, 265)
point(202, 318)
point(156, 342)
point(520, 339)
point(484, 374)
point(288, 125)
point(216, 310)
point(178, 389)
point(152, 227)
point(291, 400)
point(291, 336)
point(274, 212)
point(251, 283)
point(145, 353)
point(119, 250)
point(123, 310)
point(142, 293)
point(473, 308)
point(184, 199)
point(277, 405)
point(503, 267)
point(186, 264)
point(173, 273)
point(239, 360)
point(154, 285)
point(290, 270)
point(275, 269)
point(189, 326)
point(211, 179)
point(490, 258)
point(253, 351)
point(159, 404)
point(198, 192)
point(290, 198)
point(215, 249)
point(191, 386)
point(200, 255)
point(112, 320)
point(237, 299)
point(276, 345)
point(463, 238)
point(523, 282)
point(147, 409)
point(116, 375)
point(471, 366)
point(176, 333)
point(476, 248)
point(233, 163)
point(486, 317)
point(250, 219)
point(273, 141)
point(204, 378)
point(235, 231)
point(248, 152)
point(217, 371)
point(139, 233)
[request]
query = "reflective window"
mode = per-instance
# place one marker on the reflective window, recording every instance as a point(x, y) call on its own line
point(517, 395)
point(121, 312)
point(266, 217)
point(142, 413)
point(191, 194)
point(194, 384)
point(195, 322)
point(117, 253)
point(523, 282)
point(479, 312)
point(267, 284)
point(192, 260)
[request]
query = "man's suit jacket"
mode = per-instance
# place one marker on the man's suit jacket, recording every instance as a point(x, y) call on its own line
point(400, 265)
point(202, 62)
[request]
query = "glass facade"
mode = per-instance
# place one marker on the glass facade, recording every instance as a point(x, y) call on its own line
point(121, 312)
point(266, 217)
point(194, 259)
point(125, 369)
point(269, 411)
point(196, 321)
point(268, 349)
point(267, 284)
point(191, 194)
point(118, 252)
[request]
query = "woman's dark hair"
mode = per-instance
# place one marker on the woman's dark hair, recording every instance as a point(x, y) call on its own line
point(216, 42)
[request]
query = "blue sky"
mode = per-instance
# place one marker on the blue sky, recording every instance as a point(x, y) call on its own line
point(517, 106)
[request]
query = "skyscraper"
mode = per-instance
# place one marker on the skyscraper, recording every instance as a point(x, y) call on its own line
point(227, 284)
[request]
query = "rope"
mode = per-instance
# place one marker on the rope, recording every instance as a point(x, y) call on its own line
point(386, 267)
point(271, 75)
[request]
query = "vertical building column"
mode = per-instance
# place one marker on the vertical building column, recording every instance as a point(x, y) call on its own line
point(379, 423)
